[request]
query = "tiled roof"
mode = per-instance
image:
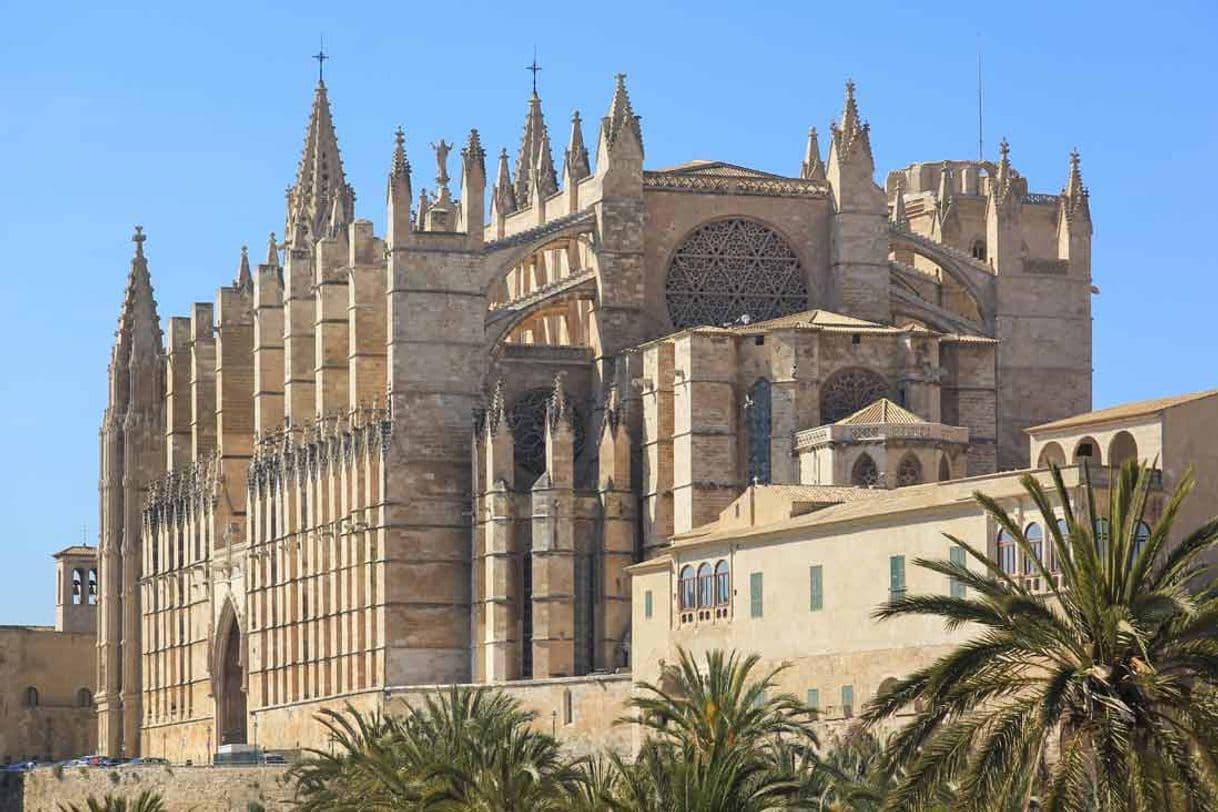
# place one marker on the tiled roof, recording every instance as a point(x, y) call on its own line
point(813, 318)
point(881, 411)
point(1139, 408)
point(825, 494)
point(76, 549)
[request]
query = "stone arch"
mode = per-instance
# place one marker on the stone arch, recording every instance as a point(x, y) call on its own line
point(978, 249)
point(945, 469)
point(1122, 447)
point(1087, 450)
point(848, 390)
point(887, 685)
point(975, 278)
point(31, 697)
point(728, 268)
point(84, 698)
point(228, 672)
point(909, 470)
point(864, 474)
point(1051, 453)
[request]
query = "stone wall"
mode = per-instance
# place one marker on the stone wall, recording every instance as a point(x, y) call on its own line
point(198, 789)
point(59, 666)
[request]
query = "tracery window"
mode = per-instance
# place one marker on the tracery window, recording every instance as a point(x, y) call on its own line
point(1006, 552)
point(688, 596)
point(723, 586)
point(528, 421)
point(731, 269)
point(758, 416)
point(849, 390)
point(864, 474)
point(909, 472)
point(706, 586)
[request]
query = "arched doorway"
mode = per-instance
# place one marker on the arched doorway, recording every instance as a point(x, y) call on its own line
point(230, 681)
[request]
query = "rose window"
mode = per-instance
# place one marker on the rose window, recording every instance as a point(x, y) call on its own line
point(849, 390)
point(528, 421)
point(732, 269)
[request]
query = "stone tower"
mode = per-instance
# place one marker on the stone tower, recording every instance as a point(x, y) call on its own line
point(132, 445)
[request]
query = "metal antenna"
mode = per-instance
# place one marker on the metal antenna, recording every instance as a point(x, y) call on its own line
point(980, 131)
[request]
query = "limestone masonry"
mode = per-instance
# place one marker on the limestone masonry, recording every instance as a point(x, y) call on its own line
point(378, 462)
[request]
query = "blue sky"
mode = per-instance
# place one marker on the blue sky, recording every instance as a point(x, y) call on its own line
point(189, 118)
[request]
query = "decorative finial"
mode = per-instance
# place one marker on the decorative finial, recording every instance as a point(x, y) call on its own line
point(138, 238)
point(1004, 149)
point(244, 280)
point(442, 149)
point(272, 251)
point(321, 58)
point(401, 167)
point(535, 69)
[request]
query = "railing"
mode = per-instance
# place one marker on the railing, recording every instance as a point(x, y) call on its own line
point(837, 433)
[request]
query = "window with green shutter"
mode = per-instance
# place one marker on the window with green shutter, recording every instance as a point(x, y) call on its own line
point(814, 698)
point(847, 700)
point(817, 588)
point(755, 585)
point(957, 558)
point(647, 605)
point(896, 577)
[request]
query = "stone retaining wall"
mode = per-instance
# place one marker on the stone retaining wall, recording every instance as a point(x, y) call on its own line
point(183, 789)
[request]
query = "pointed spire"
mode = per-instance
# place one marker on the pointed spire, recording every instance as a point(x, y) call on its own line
point(1075, 193)
point(534, 152)
point(503, 195)
point(613, 408)
point(546, 180)
point(853, 133)
point(899, 217)
point(401, 166)
point(621, 119)
point(244, 280)
point(319, 176)
point(558, 409)
point(496, 410)
point(139, 326)
point(1001, 186)
point(813, 167)
point(575, 160)
point(421, 212)
point(272, 251)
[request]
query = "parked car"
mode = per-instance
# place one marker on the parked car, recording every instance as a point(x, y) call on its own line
point(273, 758)
point(147, 761)
point(21, 766)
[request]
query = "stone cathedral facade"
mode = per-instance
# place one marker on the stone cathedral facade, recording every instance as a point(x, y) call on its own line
point(429, 456)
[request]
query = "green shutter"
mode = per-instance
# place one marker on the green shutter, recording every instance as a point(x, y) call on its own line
point(957, 557)
point(814, 698)
point(817, 599)
point(847, 700)
point(647, 604)
point(896, 576)
point(755, 594)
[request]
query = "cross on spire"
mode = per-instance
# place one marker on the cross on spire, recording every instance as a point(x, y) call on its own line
point(534, 68)
point(321, 58)
point(138, 238)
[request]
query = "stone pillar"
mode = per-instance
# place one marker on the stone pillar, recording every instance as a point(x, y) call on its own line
point(331, 328)
point(299, 347)
point(618, 522)
point(366, 317)
point(553, 550)
point(178, 399)
point(656, 395)
point(497, 554)
point(234, 408)
point(202, 381)
point(704, 448)
point(268, 349)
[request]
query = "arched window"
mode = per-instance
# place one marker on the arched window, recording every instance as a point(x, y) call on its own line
point(731, 270)
point(1006, 552)
point(945, 469)
point(723, 584)
point(78, 586)
point(1087, 450)
point(1036, 540)
point(1064, 530)
point(84, 698)
point(688, 588)
point(1101, 536)
point(909, 472)
point(92, 594)
point(864, 474)
point(706, 587)
point(1051, 454)
point(31, 697)
point(1122, 447)
point(757, 416)
point(1141, 535)
point(848, 390)
point(978, 249)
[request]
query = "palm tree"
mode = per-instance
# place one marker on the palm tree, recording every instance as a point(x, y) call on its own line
point(1099, 694)
point(718, 740)
point(468, 748)
point(146, 801)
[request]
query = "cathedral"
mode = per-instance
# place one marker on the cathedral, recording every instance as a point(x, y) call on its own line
point(430, 456)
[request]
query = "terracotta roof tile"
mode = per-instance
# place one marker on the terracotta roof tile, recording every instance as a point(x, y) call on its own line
point(1123, 411)
point(881, 411)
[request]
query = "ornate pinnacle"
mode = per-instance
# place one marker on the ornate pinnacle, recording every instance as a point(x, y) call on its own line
point(899, 217)
point(244, 280)
point(613, 408)
point(621, 116)
point(853, 131)
point(557, 407)
point(813, 168)
point(496, 410)
point(504, 193)
point(575, 161)
point(401, 166)
point(138, 238)
point(272, 251)
point(473, 152)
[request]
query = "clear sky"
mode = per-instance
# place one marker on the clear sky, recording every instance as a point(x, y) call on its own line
point(188, 118)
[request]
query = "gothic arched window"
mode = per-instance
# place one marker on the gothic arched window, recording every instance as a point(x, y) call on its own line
point(731, 269)
point(688, 597)
point(527, 418)
point(849, 390)
point(723, 585)
point(1006, 552)
point(864, 474)
point(909, 472)
point(758, 417)
point(706, 586)
point(1036, 540)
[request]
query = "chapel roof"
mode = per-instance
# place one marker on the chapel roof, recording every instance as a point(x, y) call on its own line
point(76, 550)
point(881, 411)
point(703, 167)
point(1141, 408)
